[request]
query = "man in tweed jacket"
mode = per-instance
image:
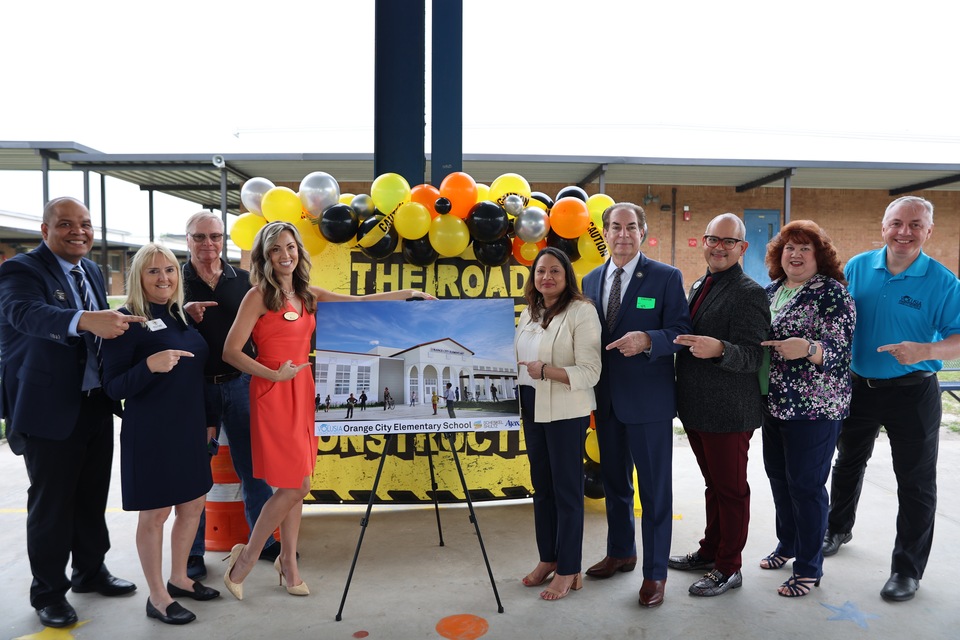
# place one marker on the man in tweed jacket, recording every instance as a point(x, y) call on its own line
point(718, 399)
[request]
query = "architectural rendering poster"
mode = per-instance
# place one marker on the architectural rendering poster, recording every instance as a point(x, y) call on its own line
point(385, 367)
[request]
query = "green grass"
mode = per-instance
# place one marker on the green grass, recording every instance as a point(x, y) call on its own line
point(951, 408)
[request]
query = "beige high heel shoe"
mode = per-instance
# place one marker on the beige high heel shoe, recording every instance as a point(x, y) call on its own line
point(236, 588)
point(300, 590)
point(553, 594)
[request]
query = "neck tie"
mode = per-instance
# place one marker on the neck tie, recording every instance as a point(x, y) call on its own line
point(88, 304)
point(613, 302)
point(703, 294)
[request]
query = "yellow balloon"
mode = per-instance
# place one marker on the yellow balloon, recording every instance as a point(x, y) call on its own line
point(537, 203)
point(346, 198)
point(529, 250)
point(412, 220)
point(596, 205)
point(281, 204)
point(510, 183)
point(313, 242)
point(592, 445)
point(592, 246)
point(483, 192)
point(449, 235)
point(389, 191)
point(245, 228)
point(583, 267)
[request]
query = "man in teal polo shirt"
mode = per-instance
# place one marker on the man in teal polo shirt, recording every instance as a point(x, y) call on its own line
point(908, 322)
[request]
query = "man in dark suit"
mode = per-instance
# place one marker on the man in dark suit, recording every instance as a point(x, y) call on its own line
point(53, 314)
point(642, 310)
point(718, 399)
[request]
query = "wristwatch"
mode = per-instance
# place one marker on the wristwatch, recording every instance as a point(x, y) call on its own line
point(812, 349)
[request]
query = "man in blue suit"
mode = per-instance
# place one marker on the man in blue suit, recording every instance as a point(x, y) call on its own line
point(642, 310)
point(53, 314)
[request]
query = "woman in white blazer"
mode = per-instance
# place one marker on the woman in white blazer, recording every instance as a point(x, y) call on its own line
point(558, 350)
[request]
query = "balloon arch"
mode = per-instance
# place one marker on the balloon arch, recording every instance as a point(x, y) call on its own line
point(462, 218)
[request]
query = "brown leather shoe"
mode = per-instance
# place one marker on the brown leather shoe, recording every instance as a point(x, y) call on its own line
point(610, 565)
point(651, 592)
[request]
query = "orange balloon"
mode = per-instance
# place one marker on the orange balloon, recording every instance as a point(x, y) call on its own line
point(426, 194)
point(461, 190)
point(525, 252)
point(569, 217)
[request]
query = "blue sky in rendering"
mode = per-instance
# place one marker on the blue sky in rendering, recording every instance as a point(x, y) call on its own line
point(484, 326)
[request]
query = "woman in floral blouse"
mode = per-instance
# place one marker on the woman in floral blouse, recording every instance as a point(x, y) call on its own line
point(808, 393)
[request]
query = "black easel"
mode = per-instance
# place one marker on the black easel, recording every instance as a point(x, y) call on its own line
point(391, 439)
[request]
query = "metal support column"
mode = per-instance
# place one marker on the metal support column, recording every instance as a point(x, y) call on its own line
point(223, 205)
point(446, 101)
point(150, 213)
point(104, 262)
point(786, 200)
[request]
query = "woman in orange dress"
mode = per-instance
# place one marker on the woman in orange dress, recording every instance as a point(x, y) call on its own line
point(279, 314)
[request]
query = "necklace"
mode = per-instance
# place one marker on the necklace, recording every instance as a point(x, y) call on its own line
point(212, 282)
point(289, 294)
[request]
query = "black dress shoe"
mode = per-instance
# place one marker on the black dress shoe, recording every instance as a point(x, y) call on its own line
point(59, 614)
point(899, 588)
point(199, 592)
point(175, 614)
point(690, 562)
point(196, 569)
point(271, 553)
point(106, 585)
point(832, 542)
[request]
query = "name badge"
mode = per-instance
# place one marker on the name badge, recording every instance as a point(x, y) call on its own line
point(290, 316)
point(646, 303)
point(156, 325)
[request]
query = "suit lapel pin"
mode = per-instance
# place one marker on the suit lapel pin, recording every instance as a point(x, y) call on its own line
point(816, 285)
point(696, 285)
point(638, 275)
point(60, 295)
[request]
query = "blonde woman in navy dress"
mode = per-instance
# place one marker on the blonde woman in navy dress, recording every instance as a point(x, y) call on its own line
point(158, 368)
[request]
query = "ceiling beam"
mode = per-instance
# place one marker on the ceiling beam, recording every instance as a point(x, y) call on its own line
point(187, 187)
point(773, 177)
point(593, 175)
point(929, 184)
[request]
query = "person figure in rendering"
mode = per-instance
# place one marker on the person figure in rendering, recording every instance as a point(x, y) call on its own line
point(451, 398)
point(908, 322)
point(718, 399)
point(53, 319)
point(434, 399)
point(493, 392)
point(351, 401)
point(642, 309)
point(363, 401)
point(213, 291)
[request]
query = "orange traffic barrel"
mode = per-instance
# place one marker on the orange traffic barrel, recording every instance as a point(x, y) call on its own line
point(226, 523)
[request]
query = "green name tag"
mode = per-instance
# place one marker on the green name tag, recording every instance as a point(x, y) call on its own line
point(646, 303)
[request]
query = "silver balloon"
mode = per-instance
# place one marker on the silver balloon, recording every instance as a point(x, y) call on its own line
point(532, 224)
point(251, 193)
point(513, 204)
point(319, 190)
point(362, 205)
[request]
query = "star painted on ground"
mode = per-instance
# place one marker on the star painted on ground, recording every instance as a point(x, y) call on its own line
point(849, 611)
point(50, 633)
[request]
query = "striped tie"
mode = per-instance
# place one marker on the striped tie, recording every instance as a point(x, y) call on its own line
point(88, 304)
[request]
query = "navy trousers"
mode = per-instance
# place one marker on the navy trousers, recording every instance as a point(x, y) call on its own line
point(797, 455)
point(555, 453)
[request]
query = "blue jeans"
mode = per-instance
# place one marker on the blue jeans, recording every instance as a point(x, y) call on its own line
point(231, 401)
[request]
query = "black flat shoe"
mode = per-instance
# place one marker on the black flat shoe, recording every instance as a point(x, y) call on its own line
point(832, 542)
point(199, 592)
point(899, 588)
point(57, 615)
point(175, 614)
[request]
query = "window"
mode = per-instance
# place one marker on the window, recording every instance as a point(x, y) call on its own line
point(322, 374)
point(342, 382)
point(363, 378)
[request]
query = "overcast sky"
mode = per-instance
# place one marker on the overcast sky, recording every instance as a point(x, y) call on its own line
point(838, 80)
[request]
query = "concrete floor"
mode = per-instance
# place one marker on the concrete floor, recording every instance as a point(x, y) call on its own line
point(405, 583)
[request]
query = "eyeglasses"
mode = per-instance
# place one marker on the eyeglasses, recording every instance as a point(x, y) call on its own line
point(200, 237)
point(728, 243)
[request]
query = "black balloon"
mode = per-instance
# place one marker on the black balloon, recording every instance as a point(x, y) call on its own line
point(567, 245)
point(542, 197)
point(339, 223)
point(592, 480)
point(572, 191)
point(493, 254)
point(487, 221)
point(363, 206)
point(443, 205)
point(419, 252)
point(382, 247)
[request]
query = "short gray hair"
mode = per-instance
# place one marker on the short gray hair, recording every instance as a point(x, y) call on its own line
point(203, 215)
point(912, 201)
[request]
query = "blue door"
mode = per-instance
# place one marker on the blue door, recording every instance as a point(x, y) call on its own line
point(762, 225)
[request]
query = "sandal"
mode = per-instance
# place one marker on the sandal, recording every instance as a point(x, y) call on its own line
point(553, 594)
point(796, 586)
point(530, 580)
point(774, 561)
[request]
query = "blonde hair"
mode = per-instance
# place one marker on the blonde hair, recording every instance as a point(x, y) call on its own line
point(136, 302)
point(261, 269)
